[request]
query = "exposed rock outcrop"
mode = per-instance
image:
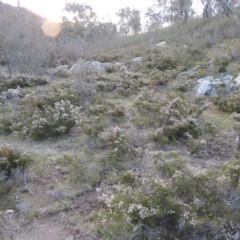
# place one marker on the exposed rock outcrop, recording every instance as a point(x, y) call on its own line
point(221, 85)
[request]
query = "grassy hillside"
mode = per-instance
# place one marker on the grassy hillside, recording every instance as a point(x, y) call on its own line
point(124, 150)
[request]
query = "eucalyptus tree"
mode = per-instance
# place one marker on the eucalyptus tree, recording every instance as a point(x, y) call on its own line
point(208, 8)
point(227, 7)
point(129, 21)
point(82, 13)
point(154, 18)
point(175, 10)
point(224, 7)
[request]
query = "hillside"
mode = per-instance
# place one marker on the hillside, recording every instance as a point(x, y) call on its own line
point(136, 140)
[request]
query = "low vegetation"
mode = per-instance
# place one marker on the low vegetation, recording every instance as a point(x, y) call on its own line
point(122, 149)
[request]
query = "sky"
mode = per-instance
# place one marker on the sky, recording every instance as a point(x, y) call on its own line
point(105, 9)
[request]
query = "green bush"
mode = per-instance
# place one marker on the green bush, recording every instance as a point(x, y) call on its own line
point(172, 117)
point(229, 103)
point(169, 163)
point(61, 74)
point(166, 64)
point(56, 121)
point(117, 141)
point(22, 81)
point(187, 201)
point(232, 172)
point(149, 203)
point(210, 128)
point(92, 125)
point(11, 158)
point(35, 113)
point(159, 78)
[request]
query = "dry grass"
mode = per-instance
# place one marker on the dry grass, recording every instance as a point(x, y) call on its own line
point(220, 118)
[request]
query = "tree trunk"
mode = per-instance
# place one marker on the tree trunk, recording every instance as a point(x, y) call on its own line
point(7, 60)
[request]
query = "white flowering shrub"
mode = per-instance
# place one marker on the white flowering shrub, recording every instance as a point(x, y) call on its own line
point(18, 118)
point(168, 163)
point(232, 171)
point(228, 103)
point(180, 197)
point(92, 125)
point(15, 118)
point(22, 81)
point(159, 77)
point(11, 158)
point(151, 202)
point(171, 117)
point(54, 121)
point(127, 87)
point(210, 128)
point(235, 116)
point(117, 141)
point(52, 95)
point(107, 109)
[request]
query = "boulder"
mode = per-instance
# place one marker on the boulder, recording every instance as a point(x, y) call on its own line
point(237, 81)
point(204, 88)
point(69, 238)
point(137, 60)
point(162, 44)
point(61, 71)
point(11, 94)
point(62, 68)
point(96, 66)
point(190, 71)
point(221, 85)
point(90, 66)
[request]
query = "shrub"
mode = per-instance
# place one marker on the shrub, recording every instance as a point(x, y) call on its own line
point(149, 203)
point(118, 113)
point(144, 205)
point(117, 141)
point(169, 163)
point(60, 73)
point(235, 116)
point(229, 103)
point(22, 81)
point(159, 78)
point(210, 128)
point(127, 87)
point(55, 121)
point(92, 125)
point(183, 87)
point(161, 61)
point(172, 57)
point(18, 118)
point(232, 171)
point(11, 158)
point(51, 95)
point(172, 117)
point(166, 64)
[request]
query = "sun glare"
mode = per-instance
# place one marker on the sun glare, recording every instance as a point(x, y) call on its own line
point(51, 10)
point(51, 29)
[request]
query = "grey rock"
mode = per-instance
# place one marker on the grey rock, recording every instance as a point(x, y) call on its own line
point(237, 81)
point(137, 60)
point(208, 78)
point(69, 238)
point(190, 71)
point(211, 86)
point(194, 69)
point(89, 66)
point(162, 44)
point(23, 207)
point(204, 88)
point(11, 94)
